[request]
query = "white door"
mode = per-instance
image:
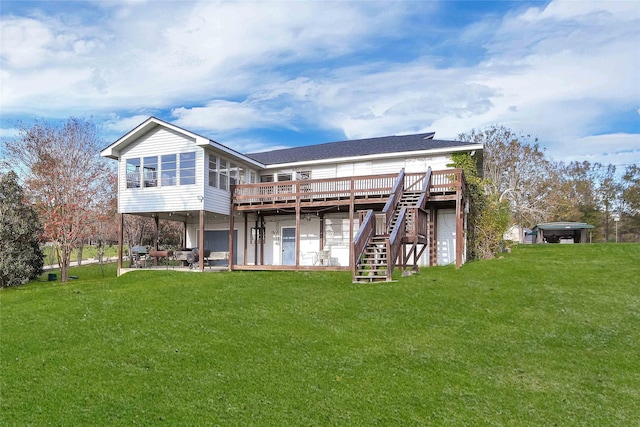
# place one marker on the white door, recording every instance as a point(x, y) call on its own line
point(288, 245)
point(446, 236)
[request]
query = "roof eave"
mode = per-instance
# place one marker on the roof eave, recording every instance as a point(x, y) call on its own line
point(462, 148)
point(113, 150)
point(226, 150)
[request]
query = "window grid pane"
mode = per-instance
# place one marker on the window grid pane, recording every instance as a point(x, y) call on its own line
point(150, 171)
point(168, 170)
point(187, 168)
point(133, 173)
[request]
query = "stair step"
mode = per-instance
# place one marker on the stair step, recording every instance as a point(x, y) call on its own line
point(370, 279)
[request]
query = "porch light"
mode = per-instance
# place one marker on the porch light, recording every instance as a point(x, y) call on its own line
point(200, 198)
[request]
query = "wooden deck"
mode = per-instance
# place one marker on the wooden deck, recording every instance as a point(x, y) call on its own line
point(369, 189)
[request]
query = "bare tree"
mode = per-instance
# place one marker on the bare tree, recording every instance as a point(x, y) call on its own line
point(515, 171)
point(63, 175)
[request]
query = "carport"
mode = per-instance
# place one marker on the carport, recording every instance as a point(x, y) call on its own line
point(561, 232)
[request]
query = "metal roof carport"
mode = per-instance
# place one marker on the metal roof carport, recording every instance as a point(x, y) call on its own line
point(561, 232)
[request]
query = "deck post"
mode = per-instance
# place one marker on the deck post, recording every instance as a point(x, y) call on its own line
point(201, 241)
point(231, 241)
point(352, 260)
point(321, 242)
point(297, 225)
point(257, 238)
point(262, 239)
point(433, 237)
point(184, 234)
point(156, 237)
point(459, 229)
point(120, 241)
point(246, 238)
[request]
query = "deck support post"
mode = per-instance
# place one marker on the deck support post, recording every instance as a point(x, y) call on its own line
point(263, 233)
point(184, 233)
point(246, 237)
point(257, 238)
point(156, 238)
point(120, 241)
point(231, 240)
point(433, 237)
point(297, 226)
point(201, 241)
point(459, 229)
point(321, 242)
point(352, 260)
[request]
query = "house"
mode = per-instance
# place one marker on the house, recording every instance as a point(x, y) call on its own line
point(366, 206)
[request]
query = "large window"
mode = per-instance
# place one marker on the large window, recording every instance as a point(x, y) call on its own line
point(187, 168)
point(224, 175)
point(234, 174)
point(133, 173)
point(168, 170)
point(284, 177)
point(150, 171)
point(213, 171)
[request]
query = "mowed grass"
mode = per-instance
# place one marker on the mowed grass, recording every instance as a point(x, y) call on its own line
point(548, 335)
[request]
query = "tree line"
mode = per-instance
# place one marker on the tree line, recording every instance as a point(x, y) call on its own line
point(56, 188)
point(519, 184)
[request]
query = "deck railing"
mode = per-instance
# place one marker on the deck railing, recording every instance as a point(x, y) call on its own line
point(446, 181)
point(313, 189)
point(395, 242)
point(343, 188)
point(361, 239)
point(390, 207)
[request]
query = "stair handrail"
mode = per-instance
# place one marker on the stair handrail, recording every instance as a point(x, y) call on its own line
point(394, 198)
point(425, 189)
point(362, 238)
point(395, 241)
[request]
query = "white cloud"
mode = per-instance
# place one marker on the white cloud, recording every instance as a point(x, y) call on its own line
point(616, 149)
point(120, 126)
point(555, 71)
point(224, 116)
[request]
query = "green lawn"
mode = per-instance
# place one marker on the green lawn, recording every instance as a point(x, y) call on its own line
point(548, 335)
point(88, 252)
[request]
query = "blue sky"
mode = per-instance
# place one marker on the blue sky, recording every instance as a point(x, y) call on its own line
point(262, 75)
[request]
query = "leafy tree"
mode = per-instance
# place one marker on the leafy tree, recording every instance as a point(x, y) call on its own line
point(488, 216)
point(20, 256)
point(64, 176)
point(609, 196)
point(630, 217)
point(574, 198)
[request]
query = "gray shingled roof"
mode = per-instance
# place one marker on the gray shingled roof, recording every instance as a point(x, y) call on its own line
point(354, 148)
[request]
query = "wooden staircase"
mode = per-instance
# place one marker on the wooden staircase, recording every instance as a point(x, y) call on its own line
point(374, 265)
point(385, 233)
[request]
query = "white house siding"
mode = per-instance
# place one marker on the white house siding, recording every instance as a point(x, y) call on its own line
point(158, 142)
point(216, 200)
point(323, 171)
point(387, 166)
point(373, 167)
